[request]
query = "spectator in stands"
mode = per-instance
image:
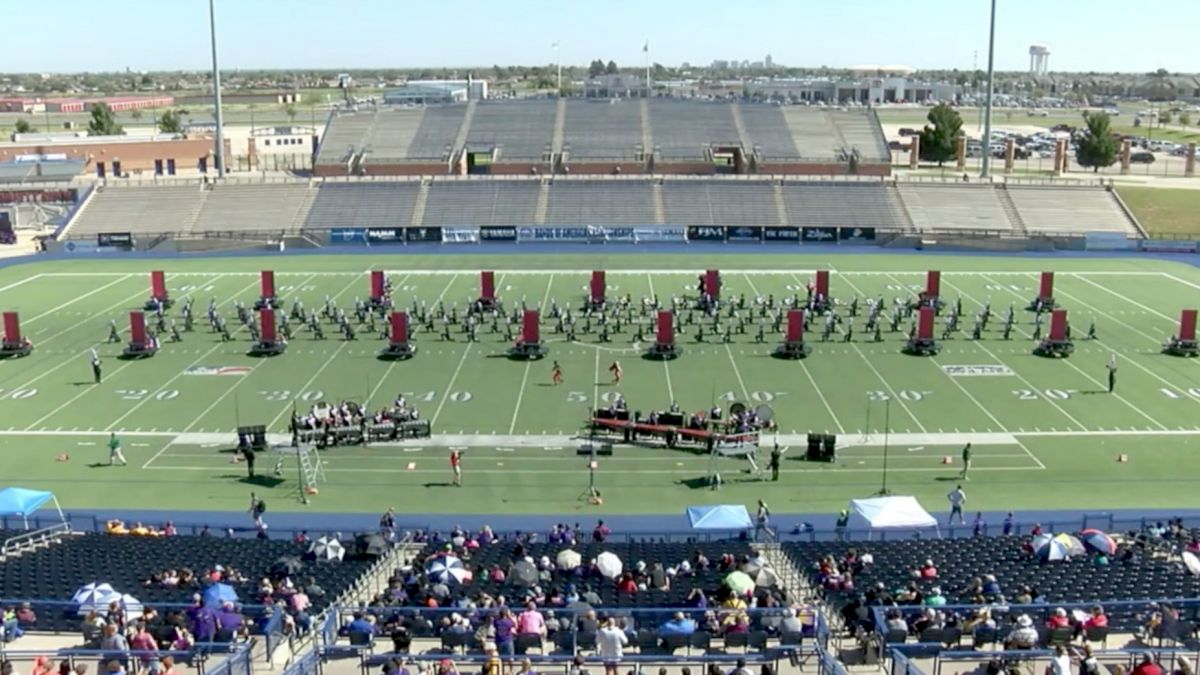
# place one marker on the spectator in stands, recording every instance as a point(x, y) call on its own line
point(588, 622)
point(504, 629)
point(1058, 619)
point(791, 623)
point(577, 666)
point(740, 668)
point(26, 617)
point(610, 643)
point(447, 667)
point(677, 625)
point(115, 667)
point(111, 640)
point(895, 620)
point(182, 641)
point(1024, 636)
point(145, 648)
point(601, 532)
point(935, 598)
point(531, 621)
point(1009, 527)
point(1096, 619)
point(982, 618)
point(1147, 666)
point(659, 580)
point(978, 526)
point(526, 667)
point(927, 571)
point(115, 614)
point(1060, 663)
point(627, 585)
point(492, 665)
point(991, 587)
point(697, 598)
point(360, 624)
point(930, 618)
point(1024, 596)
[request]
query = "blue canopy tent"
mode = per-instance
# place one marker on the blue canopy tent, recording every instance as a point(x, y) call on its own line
point(15, 501)
point(719, 517)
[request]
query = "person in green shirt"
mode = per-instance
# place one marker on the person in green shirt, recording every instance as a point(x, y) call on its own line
point(114, 451)
point(843, 522)
point(966, 461)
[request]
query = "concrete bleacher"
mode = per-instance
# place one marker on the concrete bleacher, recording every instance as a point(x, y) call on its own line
point(140, 210)
point(769, 131)
point(345, 135)
point(264, 207)
point(813, 133)
point(520, 130)
point(684, 129)
point(861, 132)
point(600, 202)
point(1074, 210)
point(362, 204)
point(451, 203)
point(688, 202)
point(603, 129)
point(436, 132)
point(393, 133)
point(955, 207)
point(843, 205)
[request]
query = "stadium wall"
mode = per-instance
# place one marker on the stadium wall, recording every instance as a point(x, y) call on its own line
point(135, 156)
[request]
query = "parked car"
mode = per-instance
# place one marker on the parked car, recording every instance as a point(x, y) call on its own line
point(1141, 158)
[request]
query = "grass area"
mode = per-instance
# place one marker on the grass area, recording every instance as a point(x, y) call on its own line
point(1164, 211)
point(1159, 134)
point(1046, 436)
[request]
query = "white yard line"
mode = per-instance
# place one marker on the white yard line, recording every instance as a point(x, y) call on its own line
point(84, 390)
point(886, 385)
point(23, 281)
point(155, 456)
point(450, 386)
point(682, 470)
point(1174, 320)
point(112, 426)
point(1172, 277)
point(388, 371)
point(1031, 455)
point(666, 368)
point(636, 271)
point(512, 426)
point(595, 385)
point(1076, 368)
point(77, 298)
point(738, 372)
point(307, 383)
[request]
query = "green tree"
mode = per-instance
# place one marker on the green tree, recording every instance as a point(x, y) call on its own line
point(1098, 147)
point(290, 111)
point(611, 68)
point(170, 122)
point(147, 81)
point(1185, 119)
point(24, 127)
point(939, 136)
point(1164, 117)
point(103, 123)
point(596, 68)
point(136, 113)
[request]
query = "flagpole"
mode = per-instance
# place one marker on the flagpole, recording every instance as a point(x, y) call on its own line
point(558, 61)
point(646, 52)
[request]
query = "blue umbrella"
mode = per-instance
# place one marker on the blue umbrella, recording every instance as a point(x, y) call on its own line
point(219, 594)
point(1096, 540)
point(1061, 547)
point(448, 570)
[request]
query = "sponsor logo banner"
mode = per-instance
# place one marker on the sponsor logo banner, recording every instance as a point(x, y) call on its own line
point(120, 240)
point(852, 234)
point(347, 235)
point(218, 370)
point(705, 233)
point(1109, 241)
point(424, 234)
point(659, 234)
point(460, 235)
point(743, 233)
point(493, 233)
point(976, 371)
point(1168, 246)
point(558, 233)
point(385, 235)
point(781, 234)
point(819, 234)
point(77, 246)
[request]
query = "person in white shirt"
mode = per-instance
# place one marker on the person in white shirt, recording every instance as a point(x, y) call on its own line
point(610, 641)
point(957, 498)
point(1060, 663)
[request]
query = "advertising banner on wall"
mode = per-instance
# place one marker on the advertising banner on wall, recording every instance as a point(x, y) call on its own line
point(743, 233)
point(778, 235)
point(495, 233)
point(122, 241)
point(347, 235)
point(851, 235)
point(385, 235)
point(819, 235)
point(705, 233)
point(460, 235)
point(423, 235)
point(659, 234)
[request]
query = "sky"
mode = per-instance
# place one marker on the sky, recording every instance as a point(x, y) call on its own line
point(1084, 35)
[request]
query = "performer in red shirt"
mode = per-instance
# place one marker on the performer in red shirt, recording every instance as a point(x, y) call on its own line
point(556, 374)
point(615, 369)
point(456, 467)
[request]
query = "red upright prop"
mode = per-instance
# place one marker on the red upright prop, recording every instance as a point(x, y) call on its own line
point(1058, 325)
point(925, 322)
point(12, 328)
point(795, 325)
point(268, 325)
point(376, 285)
point(1187, 325)
point(666, 328)
point(268, 284)
point(137, 328)
point(487, 285)
point(712, 284)
point(933, 284)
point(399, 328)
point(1046, 289)
point(823, 283)
point(158, 285)
point(599, 287)
point(531, 330)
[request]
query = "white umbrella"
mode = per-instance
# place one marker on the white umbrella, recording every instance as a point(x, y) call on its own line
point(94, 597)
point(609, 565)
point(327, 548)
point(568, 559)
point(448, 570)
point(766, 577)
point(132, 606)
point(1192, 562)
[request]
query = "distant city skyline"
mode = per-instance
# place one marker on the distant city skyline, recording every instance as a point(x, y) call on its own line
point(147, 35)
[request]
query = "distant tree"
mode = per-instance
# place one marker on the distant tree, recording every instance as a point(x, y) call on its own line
point(1185, 119)
point(147, 81)
point(170, 122)
point(290, 111)
point(596, 68)
point(103, 123)
point(136, 113)
point(939, 136)
point(1097, 147)
point(1164, 117)
point(611, 68)
point(24, 127)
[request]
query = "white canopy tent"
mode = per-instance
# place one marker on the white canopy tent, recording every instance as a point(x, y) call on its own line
point(893, 513)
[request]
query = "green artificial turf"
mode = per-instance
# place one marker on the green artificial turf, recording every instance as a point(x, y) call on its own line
point(1054, 436)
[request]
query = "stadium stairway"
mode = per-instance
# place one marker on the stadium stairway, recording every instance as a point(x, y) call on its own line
point(465, 128)
point(735, 111)
point(905, 217)
point(418, 213)
point(656, 197)
point(780, 204)
point(1010, 210)
point(560, 127)
point(543, 204)
point(647, 130)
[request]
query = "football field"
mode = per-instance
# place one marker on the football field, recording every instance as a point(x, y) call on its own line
point(1046, 433)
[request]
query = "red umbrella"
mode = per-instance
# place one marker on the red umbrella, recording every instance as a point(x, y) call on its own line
point(1096, 540)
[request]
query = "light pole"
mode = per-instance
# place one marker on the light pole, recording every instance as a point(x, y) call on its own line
point(987, 114)
point(558, 62)
point(219, 151)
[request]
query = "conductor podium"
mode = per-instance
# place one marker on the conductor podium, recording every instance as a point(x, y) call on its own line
point(1184, 344)
point(597, 290)
point(141, 345)
point(793, 346)
point(1058, 344)
point(159, 297)
point(530, 346)
point(14, 344)
point(921, 341)
point(664, 347)
point(1044, 301)
point(269, 342)
point(267, 299)
point(399, 348)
